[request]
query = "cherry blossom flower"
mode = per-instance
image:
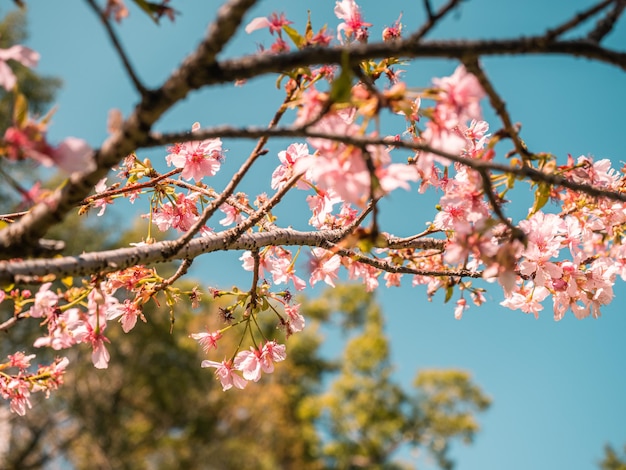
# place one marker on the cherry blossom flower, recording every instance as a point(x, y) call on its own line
point(74, 154)
point(275, 23)
point(295, 320)
point(368, 274)
point(62, 330)
point(103, 201)
point(28, 141)
point(233, 215)
point(353, 24)
point(18, 391)
point(249, 363)
point(392, 33)
point(321, 204)
point(324, 266)
point(528, 299)
point(127, 312)
point(45, 302)
point(285, 170)
point(461, 306)
point(197, 159)
point(180, 215)
point(272, 352)
point(207, 340)
point(21, 360)
point(117, 9)
point(18, 53)
point(226, 375)
point(283, 272)
point(459, 97)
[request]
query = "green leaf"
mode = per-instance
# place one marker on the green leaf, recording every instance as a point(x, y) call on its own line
point(152, 9)
point(341, 88)
point(308, 32)
point(294, 35)
point(542, 196)
point(20, 110)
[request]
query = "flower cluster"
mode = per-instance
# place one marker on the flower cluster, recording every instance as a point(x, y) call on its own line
point(570, 252)
point(17, 387)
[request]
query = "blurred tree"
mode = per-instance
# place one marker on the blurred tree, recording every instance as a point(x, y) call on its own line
point(368, 416)
point(613, 461)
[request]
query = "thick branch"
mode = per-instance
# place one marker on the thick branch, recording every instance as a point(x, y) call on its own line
point(252, 66)
point(114, 260)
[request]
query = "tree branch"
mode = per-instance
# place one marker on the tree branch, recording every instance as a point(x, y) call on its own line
point(117, 45)
point(524, 172)
point(498, 105)
point(579, 18)
point(433, 18)
point(605, 25)
point(114, 260)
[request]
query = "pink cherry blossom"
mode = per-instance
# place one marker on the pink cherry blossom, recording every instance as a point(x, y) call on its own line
point(18, 391)
point(20, 360)
point(117, 8)
point(295, 320)
point(197, 159)
point(103, 201)
point(368, 274)
point(283, 271)
point(324, 266)
point(207, 340)
point(285, 171)
point(18, 53)
point(461, 306)
point(527, 299)
point(275, 23)
point(127, 312)
point(459, 97)
point(272, 352)
point(181, 215)
point(45, 302)
point(74, 154)
point(249, 363)
point(62, 330)
point(233, 215)
point(321, 204)
point(226, 375)
point(353, 24)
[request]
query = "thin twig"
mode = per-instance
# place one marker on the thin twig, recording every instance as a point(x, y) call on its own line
point(429, 9)
point(117, 45)
point(579, 18)
point(181, 271)
point(11, 321)
point(605, 25)
point(132, 187)
point(255, 280)
point(516, 232)
point(433, 19)
point(497, 104)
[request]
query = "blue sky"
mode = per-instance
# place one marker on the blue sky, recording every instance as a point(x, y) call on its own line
point(558, 388)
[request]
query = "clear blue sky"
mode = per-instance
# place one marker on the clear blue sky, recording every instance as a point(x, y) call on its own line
point(558, 388)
